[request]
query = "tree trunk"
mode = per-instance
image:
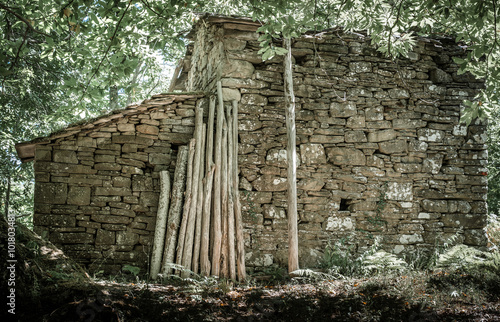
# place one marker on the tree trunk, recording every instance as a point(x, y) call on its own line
point(187, 255)
point(174, 215)
point(7, 197)
point(187, 204)
point(113, 97)
point(133, 81)
point(217, 185)
point(293, 244)
point(240, 241)
point(161, 223)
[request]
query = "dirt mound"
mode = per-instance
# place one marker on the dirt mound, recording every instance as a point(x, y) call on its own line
point(35, 272)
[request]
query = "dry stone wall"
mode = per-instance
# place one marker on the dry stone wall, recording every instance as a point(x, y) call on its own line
point(96, 192)
point(380, 148)
point(380, 152)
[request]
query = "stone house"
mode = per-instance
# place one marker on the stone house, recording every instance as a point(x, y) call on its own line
point(380, 151)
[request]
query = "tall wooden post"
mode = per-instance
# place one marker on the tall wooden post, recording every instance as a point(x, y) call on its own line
point(291, 154)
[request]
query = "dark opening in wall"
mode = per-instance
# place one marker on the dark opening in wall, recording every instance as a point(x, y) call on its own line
point(344, 204)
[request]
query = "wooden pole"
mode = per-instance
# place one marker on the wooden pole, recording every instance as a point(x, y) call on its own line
point(187, 255)
point(205, 224)
point(240, 241)
point(293, 242)
point(225, 248)
point(199, 206)
point(216, 252)
point(174, 216)
point(230, 199)
point(187, 203)
point(210, 134)
point(161, 223)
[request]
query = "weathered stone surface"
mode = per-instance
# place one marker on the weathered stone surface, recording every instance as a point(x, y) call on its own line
point(230, 94)
point(126, 127)
point(237, 69)
point(112, 191)
point(269, 183)
point(380, 136)
point(253, 99)
point(65, 156)
point(51, 193)
point(346, 156)
point(355, 136)
point(126, 238)
point(142, 183)
point(79, 195)
point(312, 153)
point(430, 135)
point(346, 109)
point(340, 224)
point(310, 184)
point(400, 191)
point(54, 220)
point(440, 76)
point(433, 163)
point(105, 237)
point(278, 157)
point(390, 147)
point(147, 129)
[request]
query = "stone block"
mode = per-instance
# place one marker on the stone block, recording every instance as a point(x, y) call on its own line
point(176, 138)
point(51, 193)
point(230, 94)
point(243, 83)
point(345, 109)
point(432, 164)
point(121, 182)
point(390, 147)
point(311, 184)
point(79, 196)
point(469, 221)
point(254, 99)
point(234, 44)
point(270, 183)
point(360, 67)
point(43, 154)
point(108, 219)
point(398, 93)
point(237, 69)
point(126, 238)
point(249, 125)
point(335, 224)
point(440, 76)
point(381, 136)
point(439, 206)
point(126, 127)
point(356, 122)
point(312, 153)
point(105, 237)
point(277, 157)
point(149, 199)
point(54, 220)
point(346, 156)
point(65, 156)
point(71, 238)
point(355, 136)
point(147, 129)
point(430, 135)
point(142, 183)
point(131, 139)
point(273, 212)
point(112, 191)
point(399, 191)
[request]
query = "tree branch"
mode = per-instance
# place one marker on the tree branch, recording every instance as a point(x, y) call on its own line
point(19, 49)
point(21, 18)
point(107, 50)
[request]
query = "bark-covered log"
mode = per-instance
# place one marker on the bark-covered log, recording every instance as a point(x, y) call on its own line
point(187, 255)
point(187, 204)
point(161, 223)
point(199, 206)
point(216, 252)
point(230, 200)
point(174, 215)
point(240, 241)
point(293, 241)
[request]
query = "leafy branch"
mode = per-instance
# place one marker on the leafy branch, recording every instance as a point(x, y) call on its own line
point(21, 18)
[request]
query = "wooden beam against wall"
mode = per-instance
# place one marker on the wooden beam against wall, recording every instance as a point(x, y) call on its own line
point(174, 215)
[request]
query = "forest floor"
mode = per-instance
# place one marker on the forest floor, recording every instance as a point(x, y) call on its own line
point(50, 287)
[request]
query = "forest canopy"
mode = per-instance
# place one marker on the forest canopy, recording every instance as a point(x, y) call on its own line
point(61, 61)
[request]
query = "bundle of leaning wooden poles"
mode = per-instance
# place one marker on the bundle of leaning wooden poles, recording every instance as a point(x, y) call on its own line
point(199, 225)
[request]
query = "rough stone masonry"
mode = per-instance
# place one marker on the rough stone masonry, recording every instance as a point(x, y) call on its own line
point(381, 152)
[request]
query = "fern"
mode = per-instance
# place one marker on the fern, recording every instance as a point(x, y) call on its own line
point(382, 261)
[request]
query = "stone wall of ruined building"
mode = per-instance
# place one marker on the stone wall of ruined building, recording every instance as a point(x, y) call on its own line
point(96, 192)
point(380, 150)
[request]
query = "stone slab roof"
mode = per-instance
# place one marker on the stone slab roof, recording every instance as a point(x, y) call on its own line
point(26, 150)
